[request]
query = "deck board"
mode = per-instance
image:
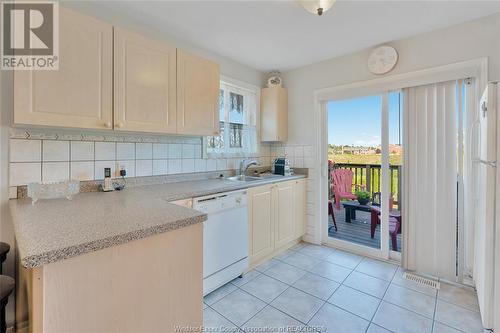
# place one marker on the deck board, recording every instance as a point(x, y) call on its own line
point(358, 231)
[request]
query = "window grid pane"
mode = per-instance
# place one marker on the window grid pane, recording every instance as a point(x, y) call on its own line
point(235, 135)
point(236, 114)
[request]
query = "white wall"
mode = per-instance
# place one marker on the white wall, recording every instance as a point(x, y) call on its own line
point(470, 40)
point(474, 39)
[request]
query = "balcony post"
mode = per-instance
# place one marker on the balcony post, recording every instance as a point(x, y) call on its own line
point(368, 178)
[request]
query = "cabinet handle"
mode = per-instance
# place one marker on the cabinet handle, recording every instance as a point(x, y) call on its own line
point(107, 125)
point(120, 125)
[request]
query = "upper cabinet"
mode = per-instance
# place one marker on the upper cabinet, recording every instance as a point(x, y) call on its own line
point(198, 84)
point(274, 114)
point(79, 94)
point(144, 84)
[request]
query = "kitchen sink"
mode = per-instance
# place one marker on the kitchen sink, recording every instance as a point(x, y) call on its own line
point(244, 178)
point(262, 176)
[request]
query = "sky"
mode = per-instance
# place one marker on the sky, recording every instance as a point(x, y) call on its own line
point(358, 121)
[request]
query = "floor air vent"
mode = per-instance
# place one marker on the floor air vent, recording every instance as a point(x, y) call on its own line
point(421, 280)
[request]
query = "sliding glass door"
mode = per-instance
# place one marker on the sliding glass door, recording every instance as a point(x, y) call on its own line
point(364, 153)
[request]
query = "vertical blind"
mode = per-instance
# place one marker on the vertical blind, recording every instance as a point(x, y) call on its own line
point(430, 179)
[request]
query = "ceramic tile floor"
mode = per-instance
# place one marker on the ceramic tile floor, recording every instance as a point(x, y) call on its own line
point(316, 288)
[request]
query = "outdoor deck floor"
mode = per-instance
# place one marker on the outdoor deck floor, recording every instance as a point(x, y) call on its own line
point(358, 231)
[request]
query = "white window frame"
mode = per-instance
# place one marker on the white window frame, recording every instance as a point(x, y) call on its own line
point(245, 89)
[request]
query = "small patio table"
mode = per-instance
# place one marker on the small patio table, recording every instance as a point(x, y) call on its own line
point(351, 207)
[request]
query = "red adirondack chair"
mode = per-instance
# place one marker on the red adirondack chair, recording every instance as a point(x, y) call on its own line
point(342, 185)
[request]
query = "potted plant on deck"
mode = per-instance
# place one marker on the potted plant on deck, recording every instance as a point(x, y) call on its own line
point(363, 197)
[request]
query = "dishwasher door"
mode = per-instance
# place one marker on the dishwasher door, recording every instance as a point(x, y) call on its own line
point(225, 237)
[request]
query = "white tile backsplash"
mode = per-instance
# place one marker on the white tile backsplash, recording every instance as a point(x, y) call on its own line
point(99, 169)
point(55, 151)
point(143, 168)
point(211, 164)
point(187, 151)
point(188, 165)
point(125, 151)
point(83, 156)
point(160, 150)
point(105, 151)
point(55, 171)
point(174, 150)
point(197, 151)
point(160, 167)
point(25, 150)
point(174, 166)
point(200, 165)
point(24, 173)
point(128, 166)
point(298, 151)
point(221, 164)
point(144, 151)
point(82, 151)
point(82, 170)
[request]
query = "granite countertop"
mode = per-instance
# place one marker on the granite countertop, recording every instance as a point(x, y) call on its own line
point(53, 230)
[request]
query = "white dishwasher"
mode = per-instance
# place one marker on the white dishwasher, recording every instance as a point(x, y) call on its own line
point(225, 237)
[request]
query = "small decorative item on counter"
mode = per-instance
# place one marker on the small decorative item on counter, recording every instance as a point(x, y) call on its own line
point(65, 189)
point(363, 197)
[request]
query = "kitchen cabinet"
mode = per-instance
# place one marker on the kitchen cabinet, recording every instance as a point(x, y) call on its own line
point(112, 79)
point(284, 205)
point(261, 214)
point(274, 114)
point(198, 84)
point(79, 94)
point(276, 218)
point(144, 84)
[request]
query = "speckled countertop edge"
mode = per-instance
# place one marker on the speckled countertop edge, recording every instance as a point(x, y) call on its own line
point(99, 244)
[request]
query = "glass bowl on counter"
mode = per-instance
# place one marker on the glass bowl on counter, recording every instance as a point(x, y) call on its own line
point(53, 190)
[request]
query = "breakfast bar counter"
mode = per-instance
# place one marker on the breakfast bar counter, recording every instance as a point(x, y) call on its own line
point(123, 261)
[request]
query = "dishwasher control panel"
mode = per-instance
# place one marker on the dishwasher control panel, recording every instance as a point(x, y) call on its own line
point(221, 201)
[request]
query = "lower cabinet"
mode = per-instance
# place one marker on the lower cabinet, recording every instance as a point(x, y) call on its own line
point(276, 217)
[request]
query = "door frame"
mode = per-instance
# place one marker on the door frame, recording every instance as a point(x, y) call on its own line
point(477, 68)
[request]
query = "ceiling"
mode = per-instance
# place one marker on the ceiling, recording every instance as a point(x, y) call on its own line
point(281, 35)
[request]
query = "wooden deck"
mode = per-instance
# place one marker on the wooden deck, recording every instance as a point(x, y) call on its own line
point(358, 231)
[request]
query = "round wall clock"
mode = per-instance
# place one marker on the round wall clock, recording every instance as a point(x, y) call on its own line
point(382, 60)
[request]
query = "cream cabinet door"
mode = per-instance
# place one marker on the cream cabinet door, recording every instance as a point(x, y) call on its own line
point(198, 84)
point(79, 94)
point(285, 211)
point(300, 204)
point(260, 222)
point(145, 84)
point(274, 114)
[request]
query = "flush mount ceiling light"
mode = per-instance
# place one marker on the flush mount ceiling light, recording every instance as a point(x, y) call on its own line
point(316, 6)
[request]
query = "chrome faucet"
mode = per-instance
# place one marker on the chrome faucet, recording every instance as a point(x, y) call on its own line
point(245, 164)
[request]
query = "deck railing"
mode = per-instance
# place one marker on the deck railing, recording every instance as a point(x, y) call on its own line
point(369, 175)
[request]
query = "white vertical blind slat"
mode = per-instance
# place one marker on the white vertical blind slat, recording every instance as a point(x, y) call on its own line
point(431, 171)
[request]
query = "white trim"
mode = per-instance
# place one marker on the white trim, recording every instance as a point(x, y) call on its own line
point(321, 231)
point(496, 301)
point(477, 68)
point(385, 185)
